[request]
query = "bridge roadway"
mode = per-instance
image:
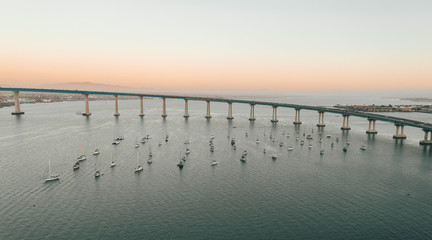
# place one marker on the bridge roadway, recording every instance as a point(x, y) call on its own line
point(371, 116)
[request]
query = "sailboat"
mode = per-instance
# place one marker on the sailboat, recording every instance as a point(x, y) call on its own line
point(113, 163)
point(82, 157)
point(96, 151)
point(150, 152)
point(51, 177)
point(97, 172)
point(77, 165)
point(138, 168)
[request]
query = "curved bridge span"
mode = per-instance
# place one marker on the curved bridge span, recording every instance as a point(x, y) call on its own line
point(400, 123)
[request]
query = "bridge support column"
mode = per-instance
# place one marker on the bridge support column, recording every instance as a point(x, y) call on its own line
point(345, 125)
point(141, 107)
point(87, 108)
point(274, 118)
point(230, 111)
point(297, 117)
point(401, 135)
point(252, 112)
point(371, 129)
point(426, 141)
point(208, 116)
point(321, 120)
point(186, 114)
point(17, 104)
point(164, 114)
point(116, 114)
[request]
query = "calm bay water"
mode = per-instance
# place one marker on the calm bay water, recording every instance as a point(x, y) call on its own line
point(383, 192)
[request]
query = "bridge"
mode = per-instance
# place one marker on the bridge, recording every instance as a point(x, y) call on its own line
point(400, 123)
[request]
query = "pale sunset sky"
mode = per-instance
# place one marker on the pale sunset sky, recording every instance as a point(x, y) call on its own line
point(224, 44)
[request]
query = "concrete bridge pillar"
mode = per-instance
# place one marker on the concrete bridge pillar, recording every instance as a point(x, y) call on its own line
point(141, 107)
point(230, 111)
point(186, 114)
point(297, 117)
point(252, 112)
point(426, 141)
point(401, 135)
point(345, 125)
point(116, 106)
point(164, 114)
point(371, 129)
point(17, 104)
point(87, 109)
point(321, 120)
point(274, 118)
point(208, 116)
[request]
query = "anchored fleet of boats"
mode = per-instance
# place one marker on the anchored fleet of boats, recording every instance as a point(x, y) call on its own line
point(139, 168)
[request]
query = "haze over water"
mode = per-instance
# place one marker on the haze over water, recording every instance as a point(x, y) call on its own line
point(383, 192)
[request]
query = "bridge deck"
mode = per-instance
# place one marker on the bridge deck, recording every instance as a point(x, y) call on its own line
point(395, 120)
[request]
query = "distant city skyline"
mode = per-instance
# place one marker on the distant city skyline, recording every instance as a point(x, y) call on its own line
point(251, 45)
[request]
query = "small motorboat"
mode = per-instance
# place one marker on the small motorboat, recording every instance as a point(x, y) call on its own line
point(257, 141)
point(310, 146)
point(244, 153)
point(309, 137)
point(274, 157)
point(166, 138)
point(97, 174)
point(332, 145)
point(337, 139)
point(76, 166)
point(113, 164)
point(137, 145)
point(243, 158)
point(290, 148)
point(234, 147)
point(149, 161)
point(139, 168)
point(281, 144)
point(363, 147)
point(214, 162)
point(159, 144)
point(328, 136)
point(187, 151)
point(82, 158)
point(344, 149)
point(115, 142)
point(96, 152)
point(322, 151)
point(180, 164)
point(232, 141)
point(143, 140)
point(302, 142)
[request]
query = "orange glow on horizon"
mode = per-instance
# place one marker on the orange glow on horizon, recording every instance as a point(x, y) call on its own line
point(178, 74)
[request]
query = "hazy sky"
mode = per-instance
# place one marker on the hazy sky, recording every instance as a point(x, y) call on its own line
point(223, 44)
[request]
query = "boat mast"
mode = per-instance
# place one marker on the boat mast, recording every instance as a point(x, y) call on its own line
point(49, 167)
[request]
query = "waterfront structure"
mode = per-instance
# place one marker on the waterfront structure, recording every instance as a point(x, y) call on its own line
point(400, 123)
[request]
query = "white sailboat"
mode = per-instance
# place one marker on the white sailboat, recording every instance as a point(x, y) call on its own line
point(150, 152)
point(138, 168)
point(97, 172)
point(51, 177)
point(113, 163)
